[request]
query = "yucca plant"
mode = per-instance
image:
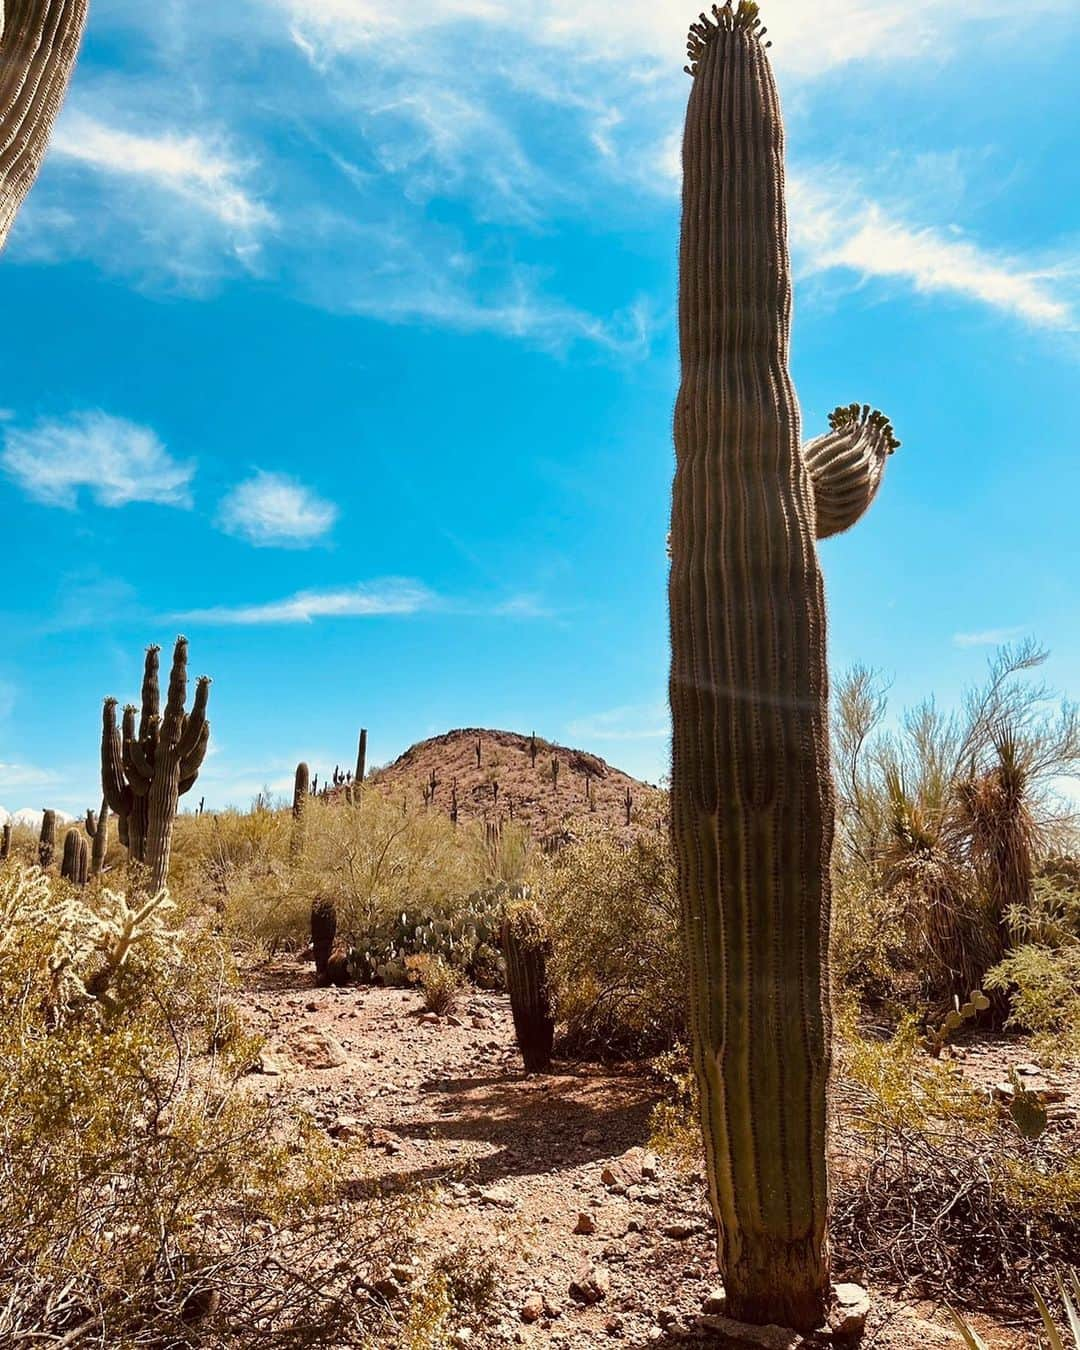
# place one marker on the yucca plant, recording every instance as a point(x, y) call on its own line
point(1068, 1287)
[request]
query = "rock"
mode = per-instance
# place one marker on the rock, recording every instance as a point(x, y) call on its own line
point(624, 1171)
point(462, 1337)
point(317, 1049)
point(613, 1325)
point(650, 1167)
point(533, 1308)
point(849, 1311)
point(387, 1140)
point(267, 1064)
point(593, 1137)
point(430, 1019)
point(388, 1288)
point(680, 1231)
point(591, 1285)
point(344, 1127)
point(644, 1195)
point(452, 1020)
point(725, 1331)
point(500, 1196)
point(714, 1303)
point(586, 1224)
point(667, 1317)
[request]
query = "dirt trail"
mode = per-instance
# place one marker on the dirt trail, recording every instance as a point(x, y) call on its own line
point(548, 1176)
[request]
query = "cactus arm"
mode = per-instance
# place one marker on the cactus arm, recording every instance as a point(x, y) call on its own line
point(170, 774)
point(117, 793)
point(196, 728)
point(752, 805)
point(361, 756)
point(47, 840)
point(847, 466)
point(192, 762)
point(101, 841)
point(39, 42)
point(151, 690)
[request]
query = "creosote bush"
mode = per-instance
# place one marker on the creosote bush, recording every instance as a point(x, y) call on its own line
point(439, 982)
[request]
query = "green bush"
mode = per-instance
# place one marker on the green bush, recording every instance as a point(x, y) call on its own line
point(1043, 984)
point(618, 966)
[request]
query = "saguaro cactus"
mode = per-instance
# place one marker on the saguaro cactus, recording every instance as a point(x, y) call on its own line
point(301, 793)
point(75, 866)
point(5, 842)
point(526, 948)
point(47, 840)
point(323, 933)
point(361, 756)
point(39, 41)
point(97, 827)
point(145, 774)
point(847, 464)
point(752, 799)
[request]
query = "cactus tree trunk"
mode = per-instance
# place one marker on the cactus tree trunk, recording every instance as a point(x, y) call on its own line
point(526, 949)
point(752, 804)
point(39, 41)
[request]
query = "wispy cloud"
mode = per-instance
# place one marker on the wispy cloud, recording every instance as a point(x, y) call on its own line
point(18, 777)
point(863, 237)
point(989, 637)
point(370, 600)
point(633, 722)
point(194, 166)
point(271, 510)
point(116, 461)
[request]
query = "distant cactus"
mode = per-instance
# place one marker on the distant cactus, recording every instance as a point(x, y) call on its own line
point(478, 752)
point(936, 1037)
point(361, 756)
point(40, 41)
point(145, 774)
point(323, 933)
point(301, 793)
point(5, 842)
point(629, 804)
point(555, 772)
point(532, 749)
point(526, 948)
point(47, 840)
point(453, 803)
point(97, 827)
point(75, 865)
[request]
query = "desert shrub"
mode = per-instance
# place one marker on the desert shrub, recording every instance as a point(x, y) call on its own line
point(439, 982)
point(618, 968)
point(1043, 985)
point(142, 1185)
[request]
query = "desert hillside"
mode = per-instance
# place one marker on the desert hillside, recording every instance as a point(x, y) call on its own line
point(513, 778)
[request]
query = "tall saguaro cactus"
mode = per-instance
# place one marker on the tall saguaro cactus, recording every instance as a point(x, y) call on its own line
point(526, 948)
point(97, 827)
point(145, 773)
point(39, 41)
point(361, 757)
point(752, 799)
point(47, 840)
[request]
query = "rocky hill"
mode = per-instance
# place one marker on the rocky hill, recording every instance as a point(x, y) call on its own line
point(501, 775)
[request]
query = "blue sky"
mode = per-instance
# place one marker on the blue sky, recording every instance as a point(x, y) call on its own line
point(342, 340)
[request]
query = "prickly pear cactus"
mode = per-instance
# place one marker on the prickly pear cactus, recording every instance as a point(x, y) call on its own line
point(752, 798)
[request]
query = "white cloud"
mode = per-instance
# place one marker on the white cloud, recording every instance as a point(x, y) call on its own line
point(990, 637)
point(116, 461)
point(196, 167)
point(837, 228)
point(14, 777)
point(273, 510)
point(633, 722)
point(392, 596)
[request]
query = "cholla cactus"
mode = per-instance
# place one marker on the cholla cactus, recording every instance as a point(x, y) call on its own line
point(145, 774)
point(39, 41)
point(751, 791)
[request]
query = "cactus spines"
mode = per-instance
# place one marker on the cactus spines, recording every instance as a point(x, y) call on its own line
point(323, 933)
point(75, 865)
point(5, 842)
point(526, 948)
point(47, 840)
point(751, 793)
point(144, 772)
point(97, 827)
point(39, 41)
point(361, 756)
point(847, 464)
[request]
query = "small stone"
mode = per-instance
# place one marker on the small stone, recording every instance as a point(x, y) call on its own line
point(430, 1019)
point(388, 1288)
point(344, 1127)
point(727, 1332)
point(714, 1303)
point(591, 1285)
point(586, 1224)
point(613, 1325)
point(268, 1065)
point(463, 1336)
point(626, 1170)
point(849, 1311)
point(593, 1137)
point(317, 1049)
point(533, 1308)
point(679, 1231)
point(386, 1140)
point(452, 1020)
point(650, 1167)
point(500, 1196)
point(644, 1195)
point(667, 1317)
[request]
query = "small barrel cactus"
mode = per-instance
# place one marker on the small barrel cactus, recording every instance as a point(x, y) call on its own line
point(526, 949)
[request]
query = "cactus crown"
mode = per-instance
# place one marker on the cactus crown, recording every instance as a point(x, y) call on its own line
point(742, 18)
point(861, 414)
